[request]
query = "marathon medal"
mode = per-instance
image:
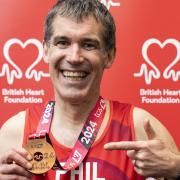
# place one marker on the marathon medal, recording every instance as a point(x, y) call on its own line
point(43, 155)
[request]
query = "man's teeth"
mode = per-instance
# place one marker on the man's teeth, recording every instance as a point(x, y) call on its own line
point(74, 75)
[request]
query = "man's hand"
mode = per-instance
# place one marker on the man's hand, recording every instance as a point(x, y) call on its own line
point(14, 165)
point(151, 158)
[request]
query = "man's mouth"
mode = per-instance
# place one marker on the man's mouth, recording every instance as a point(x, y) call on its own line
point(74, 75)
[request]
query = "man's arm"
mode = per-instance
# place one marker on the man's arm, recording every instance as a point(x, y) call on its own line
point(154, 153)
point(14, 160)
point(160, 144)
point(147, 127)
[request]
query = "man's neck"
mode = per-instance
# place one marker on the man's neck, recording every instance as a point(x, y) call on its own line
point(69, 119)
point(75, 113)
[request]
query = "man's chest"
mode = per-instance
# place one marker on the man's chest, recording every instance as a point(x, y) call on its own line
point(93, 169)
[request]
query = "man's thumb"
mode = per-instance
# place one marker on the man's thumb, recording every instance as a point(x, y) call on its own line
point(149, 129)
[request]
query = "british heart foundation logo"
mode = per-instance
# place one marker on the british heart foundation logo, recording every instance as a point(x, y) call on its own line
point(12, 71)
point(150, 71)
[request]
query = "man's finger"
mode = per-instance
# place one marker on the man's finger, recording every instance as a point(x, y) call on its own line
point(149, 130)
point(23, 152)
point(13, 176)
point(131, 153)
point(14, 157)
point(124, 145)
point(14, 169)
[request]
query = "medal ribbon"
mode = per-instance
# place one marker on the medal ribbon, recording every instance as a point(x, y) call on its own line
point(86, 137)
point(45, 122)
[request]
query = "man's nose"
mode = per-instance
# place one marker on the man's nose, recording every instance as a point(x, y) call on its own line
point(75, 56)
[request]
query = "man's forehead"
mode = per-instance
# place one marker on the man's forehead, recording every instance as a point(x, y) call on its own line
point(87, 25)
point(76, 19)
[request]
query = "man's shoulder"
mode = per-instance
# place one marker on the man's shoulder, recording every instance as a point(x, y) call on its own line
point(11, 133)
point(140, 118)
point(15, 121)
point(140, 115)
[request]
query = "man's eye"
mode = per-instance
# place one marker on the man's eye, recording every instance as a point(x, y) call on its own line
point(89, 46)
point(62, 44)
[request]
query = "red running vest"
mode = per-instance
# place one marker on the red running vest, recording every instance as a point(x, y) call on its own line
point(99, 164)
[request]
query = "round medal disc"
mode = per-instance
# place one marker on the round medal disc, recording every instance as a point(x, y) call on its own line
point(43, 155)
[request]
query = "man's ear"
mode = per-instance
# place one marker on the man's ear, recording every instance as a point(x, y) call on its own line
point(110, 58)
point(45, 56)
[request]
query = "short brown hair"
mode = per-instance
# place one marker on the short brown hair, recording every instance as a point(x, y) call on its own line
point(79, 9)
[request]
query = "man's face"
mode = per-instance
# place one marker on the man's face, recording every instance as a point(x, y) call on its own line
point(76, 58)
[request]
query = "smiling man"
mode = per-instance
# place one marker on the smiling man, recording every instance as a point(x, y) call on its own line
point(80, 135)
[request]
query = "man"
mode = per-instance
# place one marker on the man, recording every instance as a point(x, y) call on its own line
point(79, 44)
